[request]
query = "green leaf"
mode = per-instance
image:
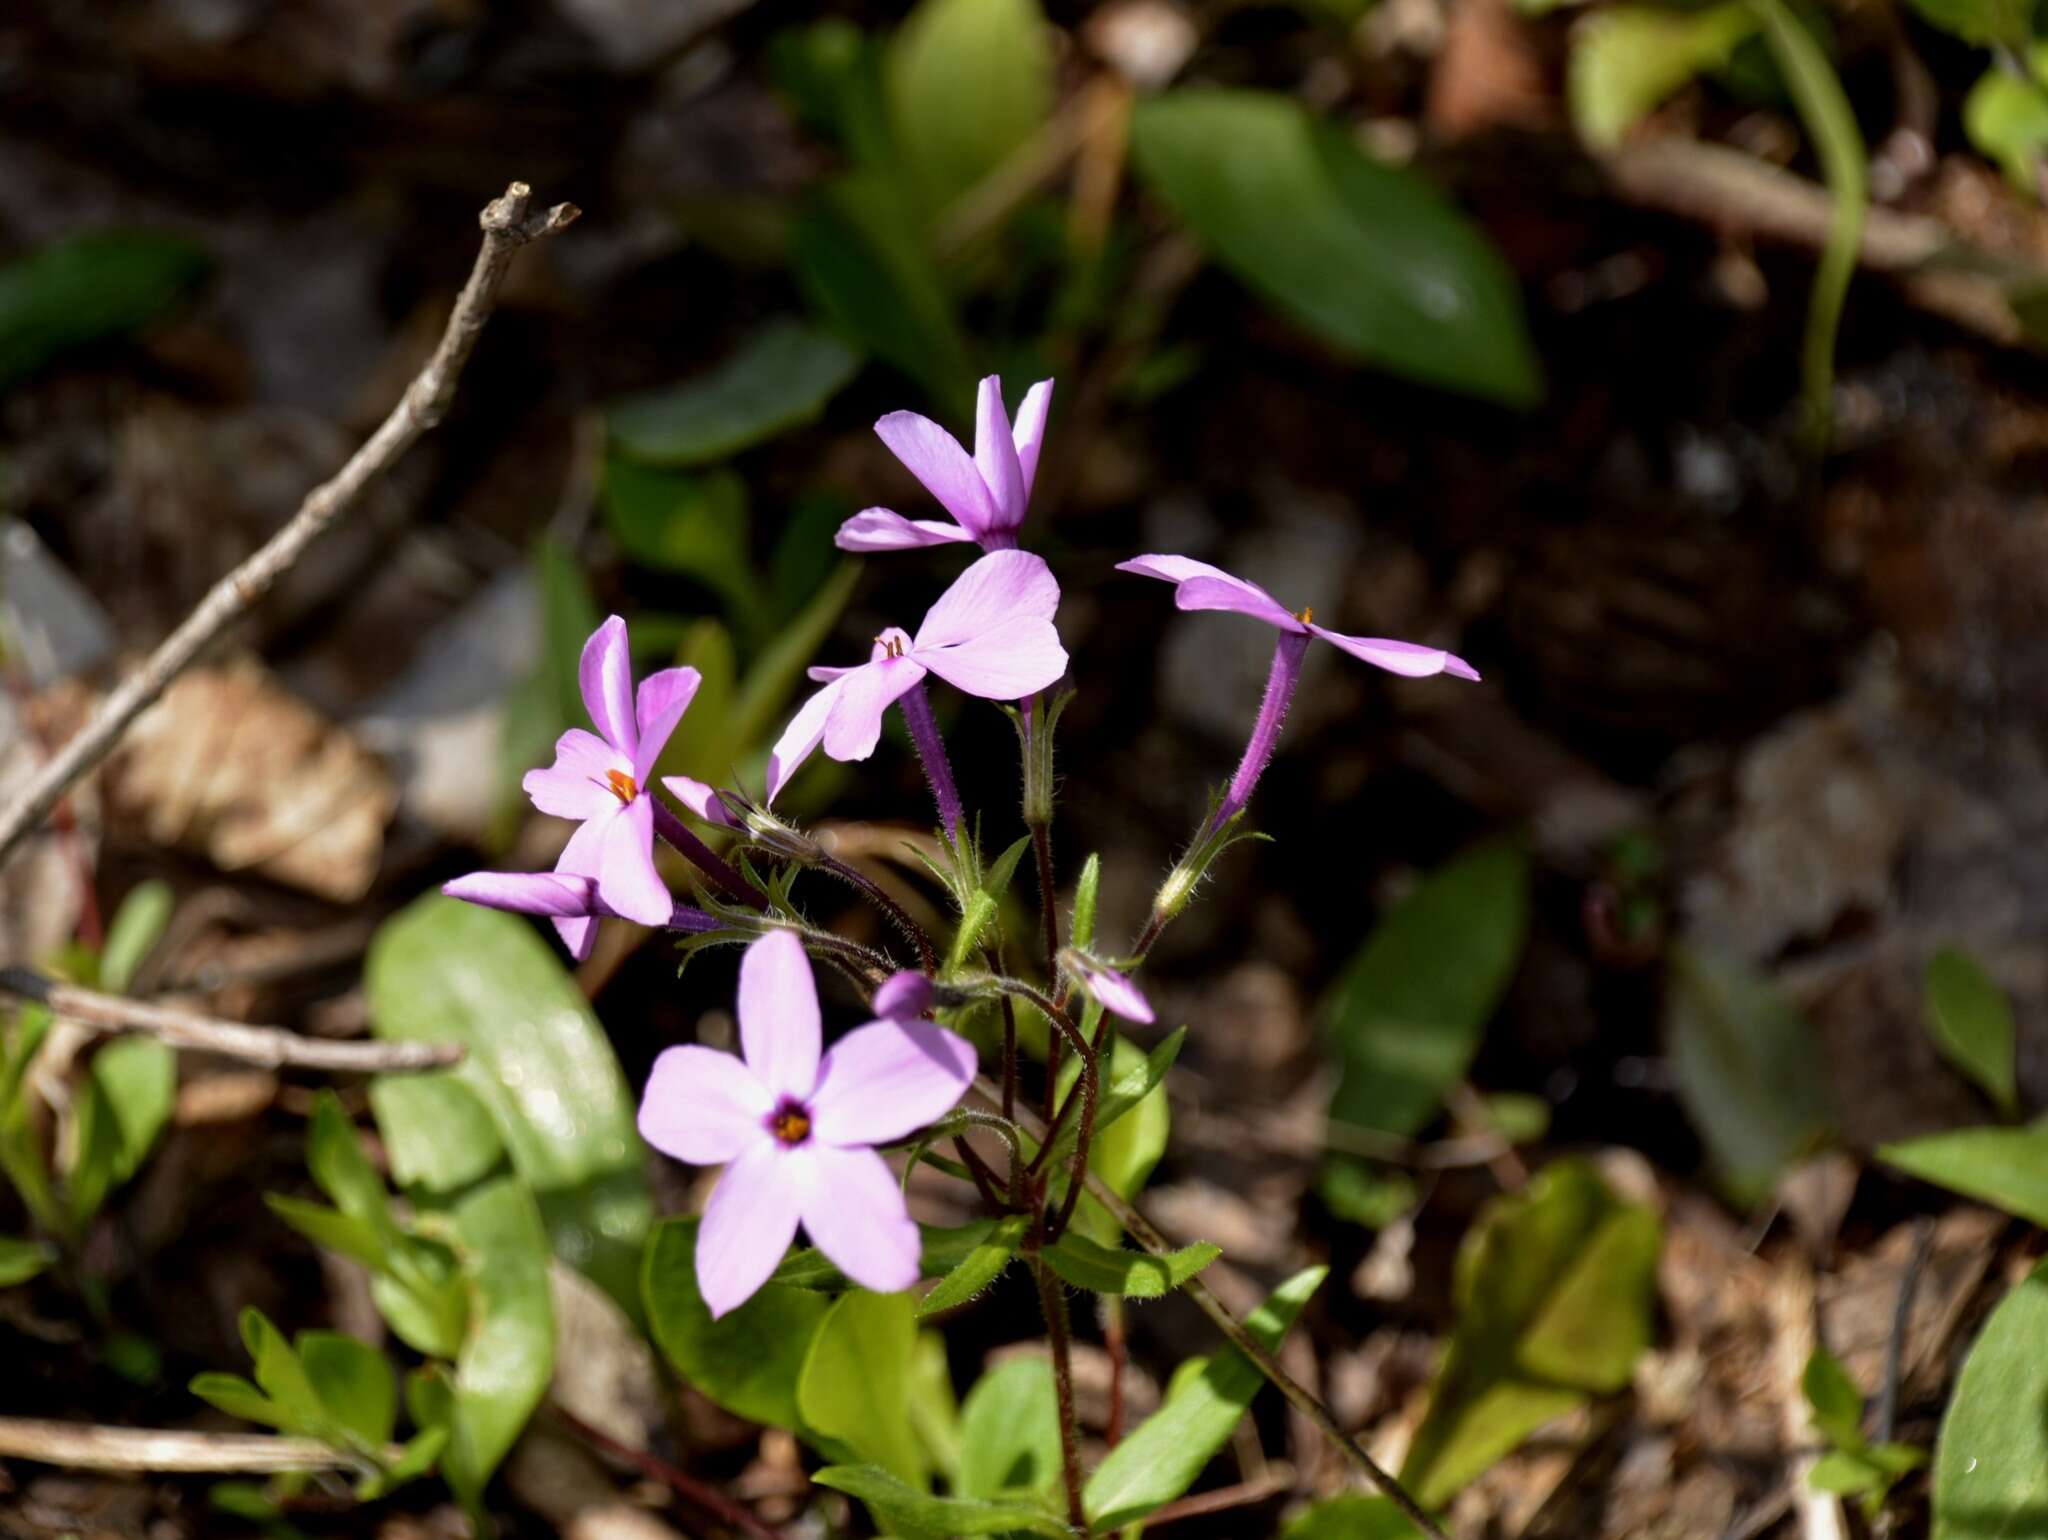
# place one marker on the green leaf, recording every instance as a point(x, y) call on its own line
point(693, 525)
point(832, 72)
point(1830, 123)
point(538, 709)
point(1369, 257)
point(1164, 1454)
point(1352, 1518)
point(858, 260)
point(281, 1376)
point(2006, 118)
point(355, 1385)
point(1407, 1014)
point(2005, 1167)
point(969, 82)
point(1747, 1068)
point(855, 1384)
point(419, 1456)
point(88, 288)
point(234, 1395)
point(943, 1248)
point(437, 1135)
point(1984, 22)
point(1837, 1403)
point(1846, 1473)
point(1627, 59)
point(975, 1271)
point(1086, 889)
point(131, 1086)
point(780, 378)
point(1969, 1015)
point(22, 1260)
point(135, 929)
point(338, 1232)
point(1129, 1084)
point(335, 1156)
point(1365, 1195)
point(916, 1515)
point(1010, 1431)
point(1991, 1461)
point(508, 1354)
point(779, 667)
point(442, 971)
point(1132, 1274)
point(934, 1411)
point(1553, 1291)
point(748, 1361)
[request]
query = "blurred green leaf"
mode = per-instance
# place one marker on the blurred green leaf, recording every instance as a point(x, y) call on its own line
point(705, 747)
point(969, 83)
point(1352, 1518)
point(749, 1360)
point(1407, 1014)
point(832, 73)
point(804, 556)
point(538, 710)
point(2005, 1167)
point(1972, 1024)
point(1747, 1068)
point(1553, 1292)
point(1837, 1403)
point(87, 288)
point(779, 668)
point(355, 1385)
point(234, 1395)
point(135, 929)
point(2006, 118)
point(974, 1272)
point(1365, 1195)
point(1987, 23)
point(934, 1411)
point(437, 1133)
point(1010, 1431)
point(1164, 1455)
point(1991, 1460)
point(442, 971)
point(130, 1088)
point(1369, 257)
point(281, 1376)
point(338, 1232)
point(21, 1260)
point(694, 526)
point(1517, 1117)
point(1626, 59)
point(780, 378)
point(913, 1514)
point(855, 1384)
point(335, 1156)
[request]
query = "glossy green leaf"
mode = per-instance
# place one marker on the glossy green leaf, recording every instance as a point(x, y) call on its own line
point(779, 379)
point(1991, 1461)
point(1133, 1274)
point(1352, 1518)
point(934, 1410)
point(1747, 1067)
point(1553, 1289)
point(749, 1360)
point(855, 1384)
point(133, 932)
point(1407, 1014)
point(975, 1271)
point(355, 1385)
point(914, 1514)
point(1970, 1016)
point(1369, 257)
point(442, 971)
point(2004, 1167)
point(87, 288)
point(969, 82)
point(22, 1260)
point(1837, 1403)
point(1010, 1431)
point(437, 1134)
point(1164, 1455)
point(1626, 59)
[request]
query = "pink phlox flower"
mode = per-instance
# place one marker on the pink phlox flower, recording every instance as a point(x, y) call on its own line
point(1112, 990)
point(558, 897)
point(600, 780)
point(990, 634)
point(796, 1132)
point(1199, 586)
point(986, 493)
point(905, 996)
point(703, 800)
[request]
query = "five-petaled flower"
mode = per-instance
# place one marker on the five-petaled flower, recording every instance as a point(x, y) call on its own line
point(990, 634)
point(600, 779)
point(796, 1132)
point(986, 493)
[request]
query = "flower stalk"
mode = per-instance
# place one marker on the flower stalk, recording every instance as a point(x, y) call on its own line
point(916, 706)
point(1281, 680)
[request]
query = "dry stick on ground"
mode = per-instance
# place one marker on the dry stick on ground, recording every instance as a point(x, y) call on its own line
point(1297, 1395)
point(679, 1481)
point(507, 226)
point(89, 1447)
point(272, 1047)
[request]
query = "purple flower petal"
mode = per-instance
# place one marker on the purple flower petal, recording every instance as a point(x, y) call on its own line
point(855, 725)
point(800, 739)
point(700, 799)
point(935, 457)
point(855, 1213)
point(575, 786)
point(778, 1011)
point(888, 1079)
point(548, 893)
point(578, 933)
point(606, 674)
point(1116, 992)
point(1002, 586)
point(663, 699)
point(626, 878)
point(1030, 430)
point(1408, 658)
point(1200, 586)
point(582, 858)
point(1008, 663)
point(704, 1107)
point(995, 456)
point(748, 1224)
point(904, 996)
point(877, 529)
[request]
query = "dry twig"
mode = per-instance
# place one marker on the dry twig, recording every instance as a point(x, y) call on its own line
point(272, 1047)
point(507, 226)
point(87, 1446)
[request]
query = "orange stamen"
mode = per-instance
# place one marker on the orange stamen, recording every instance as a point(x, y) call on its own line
point(792, 1125)
point(1308, 615)
point(623, 786)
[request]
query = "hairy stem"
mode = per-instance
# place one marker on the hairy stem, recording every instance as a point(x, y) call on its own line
point(916, 707)
point(700, 855)
point(1052, 1300)
point(1285, 674)
point(877, 895)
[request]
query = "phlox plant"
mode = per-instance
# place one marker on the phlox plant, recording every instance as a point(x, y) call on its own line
point(800, 1129)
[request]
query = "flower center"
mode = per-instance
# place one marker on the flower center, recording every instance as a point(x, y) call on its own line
point(1306, 615)
point(791, 1123)
point(623, 786)
point(892, 646)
